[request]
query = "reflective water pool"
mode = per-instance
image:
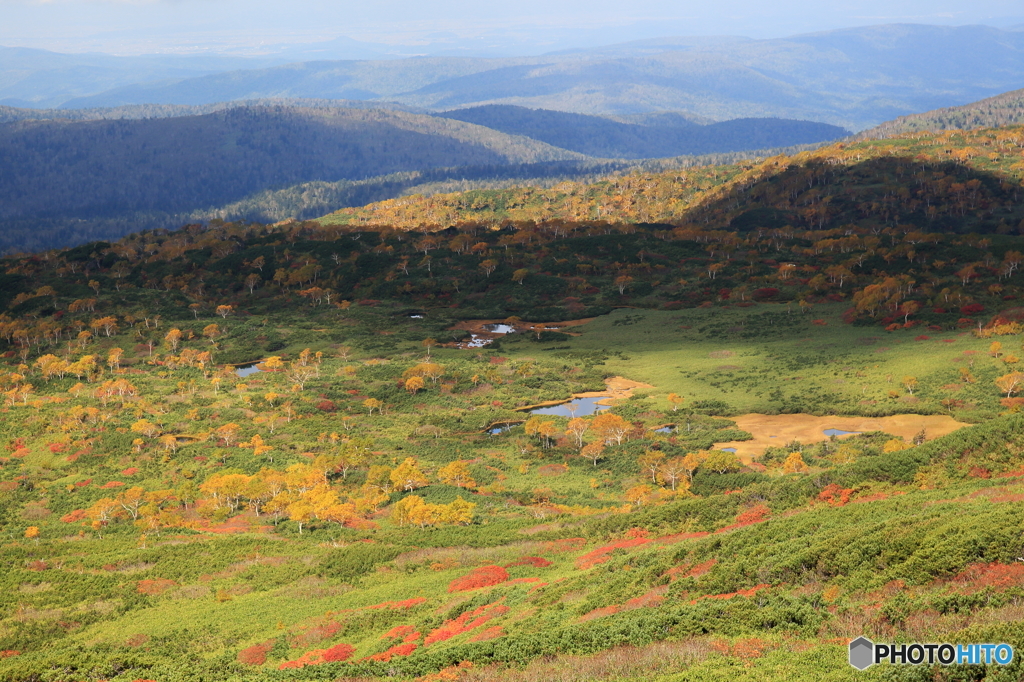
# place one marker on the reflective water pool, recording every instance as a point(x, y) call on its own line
point(577, 407)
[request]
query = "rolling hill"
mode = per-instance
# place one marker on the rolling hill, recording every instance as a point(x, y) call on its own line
point(662, 136)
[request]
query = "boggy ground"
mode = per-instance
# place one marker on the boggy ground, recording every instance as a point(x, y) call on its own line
point(775, 430)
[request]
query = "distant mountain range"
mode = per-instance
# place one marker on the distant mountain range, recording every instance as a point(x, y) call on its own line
point(854, 78)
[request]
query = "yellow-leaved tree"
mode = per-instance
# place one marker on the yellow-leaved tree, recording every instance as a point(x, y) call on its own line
point(407, 476)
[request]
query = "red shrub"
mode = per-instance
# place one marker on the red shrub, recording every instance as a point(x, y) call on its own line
point(977, 577)
point(600, 613)
point(972, 309)
point(979, 472)
point(338, 653)
point(635, 533)
point(154, 587)
point(820, 323)
point(326, 406)
point(922, 337)
point(835, 495)
point(111, 484)
point(256, 654)
point(466, 622)
point(738, 593)
point(8, 653)
point(765, 293)
point(486, 576)
point(399, 631)
point(57, 447)
point(600, 555)
point(397, 650)
point(749, 517)
point(73, 517)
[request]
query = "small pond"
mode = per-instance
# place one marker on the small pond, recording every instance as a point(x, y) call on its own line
point(577, 407)
point(247, 370)
point(416, 317)
point(666, 429)
point(838, 432)
point(499, 328)
point(732, 450)
point(500, 428)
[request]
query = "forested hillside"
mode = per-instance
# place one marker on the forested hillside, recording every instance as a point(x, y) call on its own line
point(952, 181)
point(663, 136)
point(1001, 110)
point(125, 174)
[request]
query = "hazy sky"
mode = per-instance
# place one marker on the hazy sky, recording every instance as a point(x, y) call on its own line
point(522, 26)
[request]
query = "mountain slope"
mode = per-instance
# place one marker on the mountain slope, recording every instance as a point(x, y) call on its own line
point(1001, 110)
point(666, 136)
point(116, 168)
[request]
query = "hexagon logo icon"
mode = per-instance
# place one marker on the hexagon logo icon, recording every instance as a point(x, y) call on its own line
point(862, 653)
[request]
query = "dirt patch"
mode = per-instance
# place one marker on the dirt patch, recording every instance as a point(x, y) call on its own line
point(777, 430)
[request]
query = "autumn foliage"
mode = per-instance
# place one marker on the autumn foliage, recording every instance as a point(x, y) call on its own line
point(256, 654)
point(466, 622)
point(602, 554)
point(485, 576)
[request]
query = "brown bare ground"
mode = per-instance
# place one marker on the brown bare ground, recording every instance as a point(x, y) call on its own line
point(776, 430)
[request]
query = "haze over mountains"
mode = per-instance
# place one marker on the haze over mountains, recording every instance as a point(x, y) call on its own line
point(855, 78)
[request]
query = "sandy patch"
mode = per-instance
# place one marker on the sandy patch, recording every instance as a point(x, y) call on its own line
point(807, 428)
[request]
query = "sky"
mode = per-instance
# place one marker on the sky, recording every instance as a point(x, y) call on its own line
point(472, 27)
